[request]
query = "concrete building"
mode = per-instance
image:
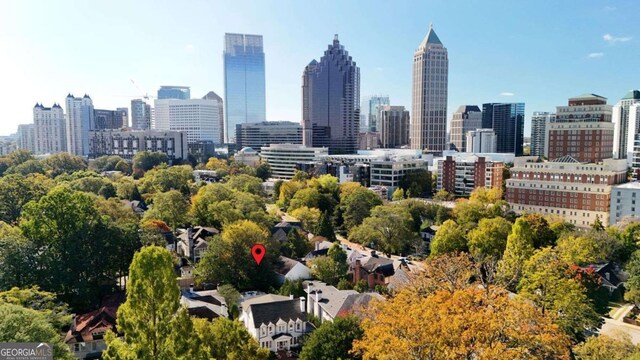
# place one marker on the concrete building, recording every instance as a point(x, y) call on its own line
point(174, 92)
point(140, 115)
point(198, 118)
point(7, 147)
point(539, 122)
point(247, 156)
point(625, 202)
point(213, 96)
point(265, 133)
point(481, 141)
point(368, 140)
point(376, 102)
point(576, 191)
point(124, 112)
point(49, 129)
point(465, 119)
point(463, 173)
point(79, 121)
point(126, 143)
point(507, 121)
point(331, 101)
point(244, 82)
point(582, 129)
point(430, 94)
point(393, 126)
point(625, 117)
point(26, 137)
point(283, 158)
point(108, 119)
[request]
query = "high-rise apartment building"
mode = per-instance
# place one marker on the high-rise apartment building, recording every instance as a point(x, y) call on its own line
point(49, 129)
point(582, 129)
point(140, 115)
point(375, 103)
point(507, 121)
point(80, 120)
point(462, 173)
point(430, 92)
point(108, 119)
point(257, 135)
point(213, 96)
point(539, 122)
point(465, 119)
point(481, 141)
point(393, 126)
point(331, 101)
point(124, 113)
point(198, 118)
point(244, 82)
point(174, 92)
point(626, 125)
point(26, 137)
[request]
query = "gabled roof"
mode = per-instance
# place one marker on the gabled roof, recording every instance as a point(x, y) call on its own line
point(566, 159)
point(431, 38)
point(271, 312)
point(284, 265)
point(97, 321)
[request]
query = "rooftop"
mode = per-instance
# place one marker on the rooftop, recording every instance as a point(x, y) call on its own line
point(630, 185)
point(632, 94)
point(431, 38)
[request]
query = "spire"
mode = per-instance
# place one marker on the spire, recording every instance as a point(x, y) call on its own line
point(431, 37)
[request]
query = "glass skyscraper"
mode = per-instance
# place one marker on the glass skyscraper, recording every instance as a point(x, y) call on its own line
point(375, 103)
point(244, 84)
point(174, 92)
point(507, 121)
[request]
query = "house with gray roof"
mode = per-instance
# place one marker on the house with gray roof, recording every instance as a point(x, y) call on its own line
point(327, 302)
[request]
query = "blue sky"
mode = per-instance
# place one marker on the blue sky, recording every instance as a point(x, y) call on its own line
point(539, 52)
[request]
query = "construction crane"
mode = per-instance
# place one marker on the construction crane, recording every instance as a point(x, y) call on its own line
point(146, 96)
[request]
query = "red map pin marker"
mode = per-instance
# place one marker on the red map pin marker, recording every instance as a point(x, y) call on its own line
point(258, 252)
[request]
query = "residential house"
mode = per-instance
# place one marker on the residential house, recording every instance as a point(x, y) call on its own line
point(375, 270)
point(608, 275)
point(292, 270)
point(280, 231)
point(277, 322)
point(326, 302)
point(207, 304)
point(137, 206)
point(192, 241)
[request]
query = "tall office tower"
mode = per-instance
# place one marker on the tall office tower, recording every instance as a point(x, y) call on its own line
point(465, 119)
point(582, 130)
point(375, 103)
point(108, 119)
point(331, 101)
point(257, 135)
point(140, 115)
point(80, 120)
point(199, 118)
point(624, 130)
point(26, 137)
point(430, 92)
point(507, 121)
point(539, 122)
point(393, 126)
point(124, 113)
point(481, 141)
point(174, 92)
point(213, 96)
point(244, 82)
point(50, 129)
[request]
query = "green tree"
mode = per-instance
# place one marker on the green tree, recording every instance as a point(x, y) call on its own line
point(309, 197)
point(325, 228)
point(416, 183)
point(230, 294)
point(333, 340)
point(597, 224)
point(443, 195)
point(19, 324)
point(591, 247)
point(518, 250)
point(46, 303)
point(263, 171)
point(228, 259)
point(449, 238)
point(389, 227)
point(124, 167)
point(105, 163)
point(542, 233)
point(489, 239)
point(361, 286)
point(225, 339)
point(16, 191)
point(603, 347)
point(295, 288)
point(296, 246)
point(331, 268)
point(357, 206)
point(308, 216)
point(163, 178)
point(14, 250)
point(19, 156)
point(632, 285)
point(246, 183)
point(398, 194)
point(107, 191)
point(147, 160)
point(170, 207)
point(28, 167)
point(64, 163)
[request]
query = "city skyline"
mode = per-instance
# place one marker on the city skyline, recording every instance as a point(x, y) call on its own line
point(191, 53)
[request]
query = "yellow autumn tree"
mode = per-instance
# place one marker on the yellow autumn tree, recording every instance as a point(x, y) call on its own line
point(465, 324)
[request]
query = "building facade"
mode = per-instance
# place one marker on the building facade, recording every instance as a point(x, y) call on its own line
point(26, 137)
point(126, 143)
point(174, 92)
point(465, 119)
point(49, 129)
point(108, 119)
point(430, 94)
point(582, 129)
point(283, 158)
point(368, 140)
point(572, 190)
point(507, 121)
point(213, 96)
point(463, 173)
point(79, 121)
point(331, 101)
point(539, 122)
point(393, 126)
point(244, 82)
point(481, 141)
point(140, 115)
point(375, 104)
point(265, 133)
point(626, 125)
point(625, 202)
point(199, 118)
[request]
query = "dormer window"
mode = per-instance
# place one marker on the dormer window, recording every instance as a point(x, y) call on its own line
point(291, 326)
point(263, 330)
point(271, 329)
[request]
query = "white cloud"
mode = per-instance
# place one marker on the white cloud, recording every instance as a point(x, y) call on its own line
point(379, 69)
point(506, 94)
point(610, 8)
point(614, 39)
point(595, 55)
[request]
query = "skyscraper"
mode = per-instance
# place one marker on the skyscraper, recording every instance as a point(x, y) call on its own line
point(107, 119)
point(331, 101)
point(625, 129)
point(174, 92)
point(26, 137)
point(199, 118)
point(465, 119)
point(140, 115)
point(430, 91)
point(507, 121)
point(244, 82)
point(124, 113)
point(80, 119)
point(393, 126)
point(49, 129)
point(375, 103)
point(539, 122)
point(213, 96)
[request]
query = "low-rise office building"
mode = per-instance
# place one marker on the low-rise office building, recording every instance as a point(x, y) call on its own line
point(126, 143)
point(284, 158)
point(625, 202)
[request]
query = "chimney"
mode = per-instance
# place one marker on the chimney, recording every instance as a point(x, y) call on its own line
point(191, 288)
point(373, 253)
point(317, 245)
point(190, 243)
point(303, 305)
point(309, 289)
point(316, 305)
point(291, 296)
point(606, 275)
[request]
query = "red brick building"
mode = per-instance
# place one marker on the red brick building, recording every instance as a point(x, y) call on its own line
point(463, 173)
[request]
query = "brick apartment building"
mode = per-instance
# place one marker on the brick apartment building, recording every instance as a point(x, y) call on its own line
point(462, 173)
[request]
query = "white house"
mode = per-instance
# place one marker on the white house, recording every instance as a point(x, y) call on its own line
point(208, 304)
point(276, 322)
point(326, 302)
point(292, 270)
